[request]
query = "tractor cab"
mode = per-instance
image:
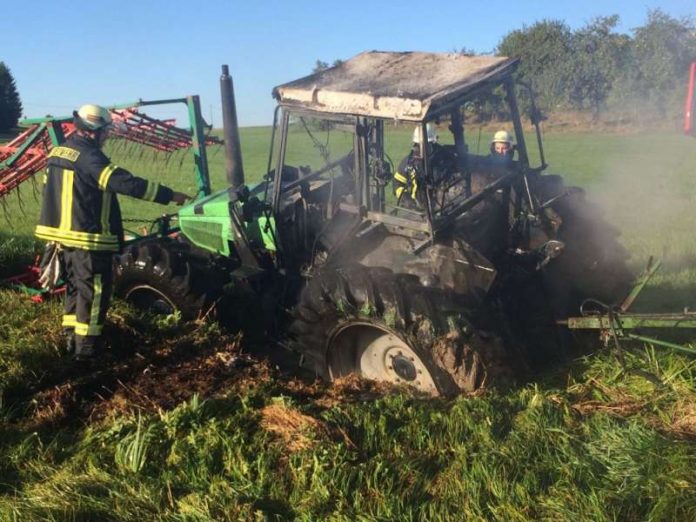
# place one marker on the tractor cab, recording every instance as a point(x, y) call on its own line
point(352, 166)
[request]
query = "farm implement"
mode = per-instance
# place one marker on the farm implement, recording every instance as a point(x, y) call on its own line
point(27, 154)
point(616, 324)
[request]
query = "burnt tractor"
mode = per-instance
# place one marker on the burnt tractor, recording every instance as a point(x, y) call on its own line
point(462, 287)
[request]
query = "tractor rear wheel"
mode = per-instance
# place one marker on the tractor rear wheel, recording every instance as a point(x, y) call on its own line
point(158, 275)
point(389, 327)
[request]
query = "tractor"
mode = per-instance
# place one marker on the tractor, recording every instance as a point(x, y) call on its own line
point(463, 288)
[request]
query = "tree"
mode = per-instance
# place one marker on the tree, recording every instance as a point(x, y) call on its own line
point(322, 66)
point(10, 105)
point(545, 49)
point(662, 50)
point(598, 55)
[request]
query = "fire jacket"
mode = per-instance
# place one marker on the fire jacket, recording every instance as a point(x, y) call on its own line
point(80, 209)
point(406, 179)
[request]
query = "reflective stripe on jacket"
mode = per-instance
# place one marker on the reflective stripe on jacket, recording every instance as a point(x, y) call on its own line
point(404, 180)
point(80, 208)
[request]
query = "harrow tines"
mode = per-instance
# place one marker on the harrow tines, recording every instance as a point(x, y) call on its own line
point(5, 210)
point(36, 191)
point(138, 130)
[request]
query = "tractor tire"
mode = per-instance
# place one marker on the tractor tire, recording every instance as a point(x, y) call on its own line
point(389, 327)
point(159, 276)
point(593, 263)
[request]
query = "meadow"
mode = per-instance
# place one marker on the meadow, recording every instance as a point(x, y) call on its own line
point(183, 423)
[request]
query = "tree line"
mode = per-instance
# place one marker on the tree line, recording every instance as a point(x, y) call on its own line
point(596, 69)
point(593, 69)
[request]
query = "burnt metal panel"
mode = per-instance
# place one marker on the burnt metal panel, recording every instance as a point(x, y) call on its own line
point(406, 86)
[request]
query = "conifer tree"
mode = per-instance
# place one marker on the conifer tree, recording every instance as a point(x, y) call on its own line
point(10, 104)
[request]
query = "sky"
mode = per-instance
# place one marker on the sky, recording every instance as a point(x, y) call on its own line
point(64, 54)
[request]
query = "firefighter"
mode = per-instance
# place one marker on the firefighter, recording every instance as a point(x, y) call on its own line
point(81, 220)
point(502, 148)
point(408, 178)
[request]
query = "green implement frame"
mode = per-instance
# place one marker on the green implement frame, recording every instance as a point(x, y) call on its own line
point(197, 125)
point(616, 323)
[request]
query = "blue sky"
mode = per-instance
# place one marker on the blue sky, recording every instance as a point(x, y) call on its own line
point(63, 54)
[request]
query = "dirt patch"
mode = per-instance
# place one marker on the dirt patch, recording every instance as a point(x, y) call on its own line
point(623, 408)
point(680, 423)
point(683, 420)
point(349, 389)
point(139, 372)
point(53, 405)
point(295, 430)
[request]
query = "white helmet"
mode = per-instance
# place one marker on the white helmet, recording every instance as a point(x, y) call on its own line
point(92, 117)
point(430, 130)
point(502, 137)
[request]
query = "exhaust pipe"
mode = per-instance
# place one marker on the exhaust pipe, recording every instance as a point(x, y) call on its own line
point(233, 150)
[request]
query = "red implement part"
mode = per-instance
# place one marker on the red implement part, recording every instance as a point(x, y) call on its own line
point(690, 109)
point(27, 154)
point(160, 134)
point(28, 283)
point(31, 159)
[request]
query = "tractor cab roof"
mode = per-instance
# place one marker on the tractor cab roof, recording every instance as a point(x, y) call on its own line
point(410, 86)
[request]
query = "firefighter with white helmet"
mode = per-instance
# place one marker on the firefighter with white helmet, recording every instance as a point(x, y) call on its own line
point(430, 132)
point(81, 220)
point(502, 152)
point(501, 143)
point(407, 176)
point(92, 117)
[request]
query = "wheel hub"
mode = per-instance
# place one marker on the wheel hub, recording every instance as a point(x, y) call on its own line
point(404, 368)
point(378, 354)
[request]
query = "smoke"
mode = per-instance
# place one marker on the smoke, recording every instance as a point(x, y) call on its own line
point(647, 188)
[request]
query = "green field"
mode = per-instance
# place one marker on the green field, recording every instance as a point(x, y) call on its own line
point(178, 426)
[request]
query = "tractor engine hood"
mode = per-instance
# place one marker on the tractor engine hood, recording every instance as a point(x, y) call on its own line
point(209, 223)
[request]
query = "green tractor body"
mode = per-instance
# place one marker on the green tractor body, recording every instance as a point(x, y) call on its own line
point(212, 224)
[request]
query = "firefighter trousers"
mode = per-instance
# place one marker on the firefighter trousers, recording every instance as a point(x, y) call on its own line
point(89, 277)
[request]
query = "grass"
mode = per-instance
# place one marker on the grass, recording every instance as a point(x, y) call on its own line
point(217, 441)
point(642, 181)
point(604, 446)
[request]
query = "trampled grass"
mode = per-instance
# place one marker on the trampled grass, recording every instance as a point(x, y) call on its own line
point(587, 442)
point(605, 446)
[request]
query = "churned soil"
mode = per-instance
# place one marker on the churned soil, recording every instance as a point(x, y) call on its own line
point(139, 371)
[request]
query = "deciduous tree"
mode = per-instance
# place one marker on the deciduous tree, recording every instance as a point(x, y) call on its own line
point(598, 57)
point(545, 48)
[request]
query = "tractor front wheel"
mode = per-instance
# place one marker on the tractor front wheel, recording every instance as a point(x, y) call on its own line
point(159, 276)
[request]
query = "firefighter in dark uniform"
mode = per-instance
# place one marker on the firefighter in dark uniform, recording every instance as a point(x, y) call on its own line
point(80, 216)
point(408, 179)
point(502, 149)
